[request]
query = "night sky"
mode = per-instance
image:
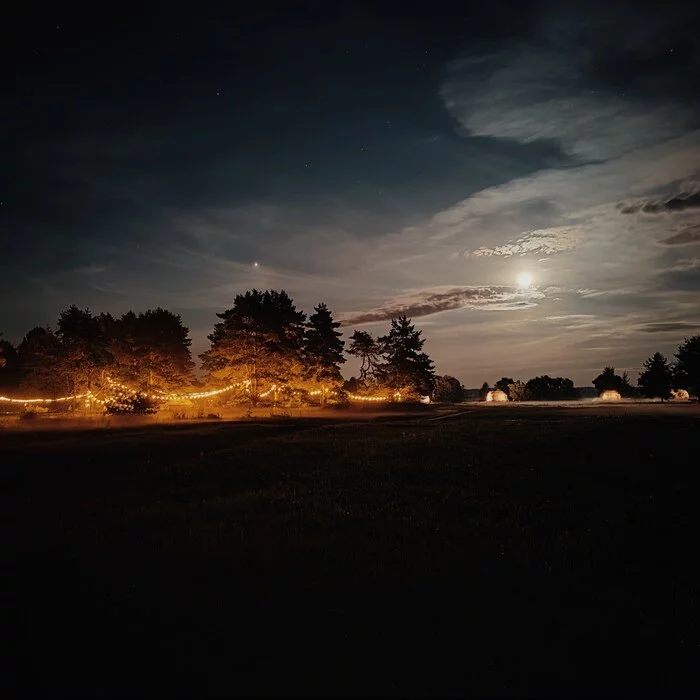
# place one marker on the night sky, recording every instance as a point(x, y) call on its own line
point(385, 158)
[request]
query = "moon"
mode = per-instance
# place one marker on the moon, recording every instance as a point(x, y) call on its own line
point(256, 264)
point(524, 279)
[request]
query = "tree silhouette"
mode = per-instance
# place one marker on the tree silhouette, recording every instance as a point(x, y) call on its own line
point(323, 350)
point(365, 347)
point(39, 356)
point(657, 378)
point(448, 389)
point(687, 366)
point(259, 340)
point(607, 380)
point(504, 385)
point(485, 388)
point(546, 388)
point(10, 371)
point(406, 368)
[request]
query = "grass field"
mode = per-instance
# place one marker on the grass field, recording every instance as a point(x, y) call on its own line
point(499, 550)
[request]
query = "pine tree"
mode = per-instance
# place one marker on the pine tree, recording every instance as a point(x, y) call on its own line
point(406, 368)
point(39, 356)
point(687, 367)
point(657, 378)
point(259, 340)
point(365, 347)
point(151, 350)
point(323, 351)
point(83, 352)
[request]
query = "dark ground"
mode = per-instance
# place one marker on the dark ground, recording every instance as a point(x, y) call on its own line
point(509, 552)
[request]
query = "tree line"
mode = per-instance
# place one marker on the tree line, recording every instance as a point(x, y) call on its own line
point(262, 345)
point(659, 379)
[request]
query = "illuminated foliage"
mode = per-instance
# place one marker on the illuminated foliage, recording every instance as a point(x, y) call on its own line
point(323, 351)
point(39, 355)
point(83, 349)
point(152, 350)
point(365, 347)
point(134, 404)
point(260, 339)
point(406, 368)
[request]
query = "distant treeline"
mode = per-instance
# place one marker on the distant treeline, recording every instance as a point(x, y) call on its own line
point(658, 380)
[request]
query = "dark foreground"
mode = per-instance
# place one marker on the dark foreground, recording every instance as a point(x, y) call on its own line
point(500, 551)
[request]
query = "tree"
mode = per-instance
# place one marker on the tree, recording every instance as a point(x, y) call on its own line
point(323, 350)
point(10, 371)
point(485, 388)
point(39, 357)
point(607, 380)
point(83, 352)
point(546, 388)
point(259, 340)
point(406, 368)
point(517, 391)
point(657, 378)
point(504, 385)
point(626, 388)
point(448, 390)
point(687, 365)
point(365, 347)
point(151, 350)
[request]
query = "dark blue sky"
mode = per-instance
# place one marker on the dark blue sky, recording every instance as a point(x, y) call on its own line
point(383, 157)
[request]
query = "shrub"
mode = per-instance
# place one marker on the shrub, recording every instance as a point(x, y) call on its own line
point(135, 404)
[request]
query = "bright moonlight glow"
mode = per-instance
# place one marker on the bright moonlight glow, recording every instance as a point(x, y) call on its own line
point(524, 279)
point(256, 264)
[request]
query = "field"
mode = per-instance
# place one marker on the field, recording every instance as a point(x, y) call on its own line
point(487, 549)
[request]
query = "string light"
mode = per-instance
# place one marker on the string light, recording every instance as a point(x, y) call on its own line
point(7, 399)
point(123, 391)
point(395, 397)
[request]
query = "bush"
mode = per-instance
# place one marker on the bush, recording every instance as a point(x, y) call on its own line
point(136, 404)
point(33, 412)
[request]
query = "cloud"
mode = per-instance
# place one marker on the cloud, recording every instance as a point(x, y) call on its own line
point(686, 199)
point(542, 242)
point(675, 327)
point(438, 299)
point(688, 235)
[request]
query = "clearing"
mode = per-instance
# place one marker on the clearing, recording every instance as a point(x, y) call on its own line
point(488, 549)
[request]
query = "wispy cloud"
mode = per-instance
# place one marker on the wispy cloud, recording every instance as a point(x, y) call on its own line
point(543, 242)
point(669, 327)
point(688, 198)
point(688, 235)
point(438, 299)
